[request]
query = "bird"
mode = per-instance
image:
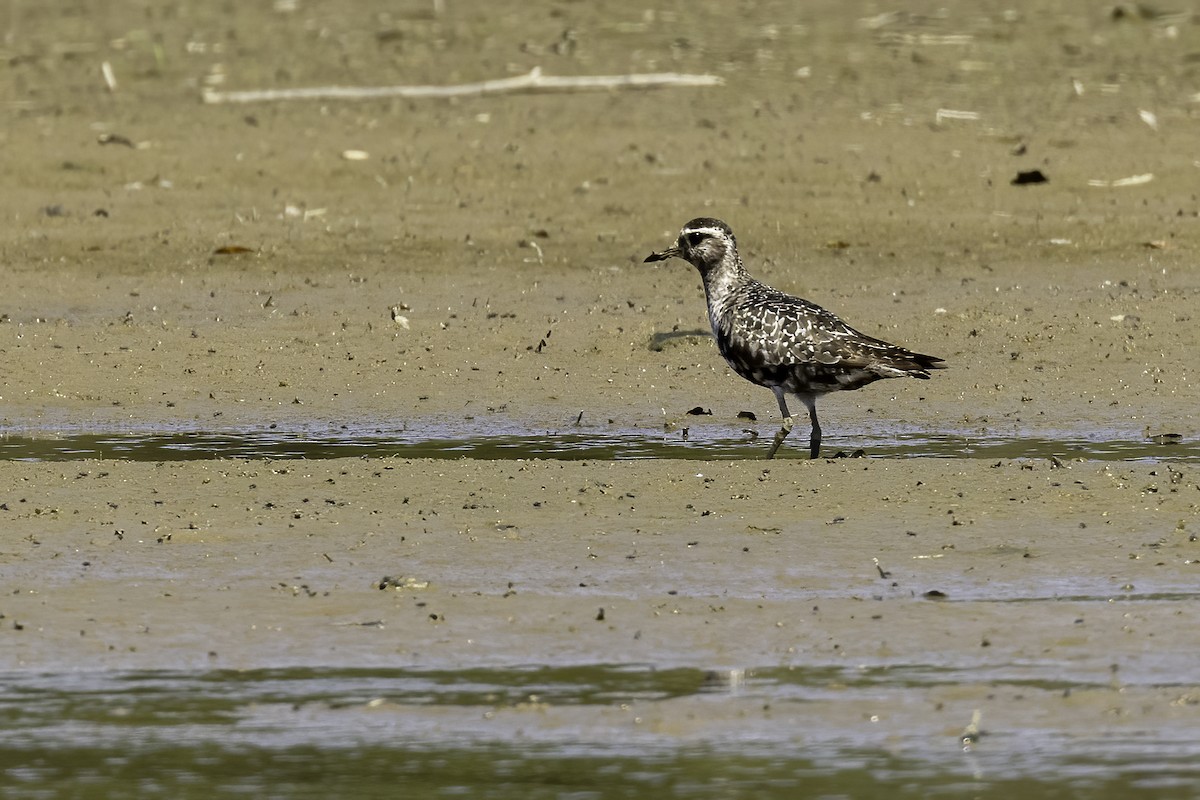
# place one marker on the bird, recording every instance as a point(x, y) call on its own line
point(782, 342)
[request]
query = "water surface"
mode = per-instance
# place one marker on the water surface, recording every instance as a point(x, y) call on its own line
point(571, 444)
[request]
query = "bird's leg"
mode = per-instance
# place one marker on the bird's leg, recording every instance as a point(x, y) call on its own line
point(780, 435)
point(787, 422)
point(814, 440)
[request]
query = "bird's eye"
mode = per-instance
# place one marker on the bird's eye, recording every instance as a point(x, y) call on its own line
point(694, 239)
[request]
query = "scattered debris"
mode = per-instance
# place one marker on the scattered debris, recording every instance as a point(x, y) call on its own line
point(306, 214)
point(1140, 11)
point(401, 583)
point(533, 81)
point(115, 138)
point(971, 733)
point(110, 80)
point(1132, 180)
point(534, 246)
point(1029, 176)
point(949, 113)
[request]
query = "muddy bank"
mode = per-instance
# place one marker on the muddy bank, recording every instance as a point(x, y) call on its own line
point(723, 565)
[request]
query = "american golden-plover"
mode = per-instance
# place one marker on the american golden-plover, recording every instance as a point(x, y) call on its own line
point(783, 342)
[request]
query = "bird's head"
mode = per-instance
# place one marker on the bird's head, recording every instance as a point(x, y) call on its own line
point(705, 243)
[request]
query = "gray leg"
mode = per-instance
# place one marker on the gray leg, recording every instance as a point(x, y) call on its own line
point(814, 441)
point(787, 421)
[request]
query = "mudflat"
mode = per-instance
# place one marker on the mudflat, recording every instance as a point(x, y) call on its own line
point(1011, 190)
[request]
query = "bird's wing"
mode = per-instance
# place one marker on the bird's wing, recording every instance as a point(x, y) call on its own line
point(791, 330)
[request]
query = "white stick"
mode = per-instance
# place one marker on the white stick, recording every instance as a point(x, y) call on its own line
point(110, 80)
point(535, 81)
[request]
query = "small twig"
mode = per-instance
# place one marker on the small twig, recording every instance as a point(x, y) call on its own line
point(110, 79)
point(971, 733)
point(534, 81)
point(1132, 180)
point(540, 256)
point(950, 113)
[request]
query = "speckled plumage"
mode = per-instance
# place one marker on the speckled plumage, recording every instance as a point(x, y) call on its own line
point(784, 343)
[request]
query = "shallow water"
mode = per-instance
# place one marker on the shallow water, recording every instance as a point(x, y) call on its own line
point(437, 441)
point(540, 732)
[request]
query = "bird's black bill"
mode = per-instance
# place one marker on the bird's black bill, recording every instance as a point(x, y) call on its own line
point(663, 256)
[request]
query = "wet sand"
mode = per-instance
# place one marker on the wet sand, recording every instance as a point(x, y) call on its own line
point(481, 271)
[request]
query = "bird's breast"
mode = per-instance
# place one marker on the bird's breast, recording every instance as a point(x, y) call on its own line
point(745, 356)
